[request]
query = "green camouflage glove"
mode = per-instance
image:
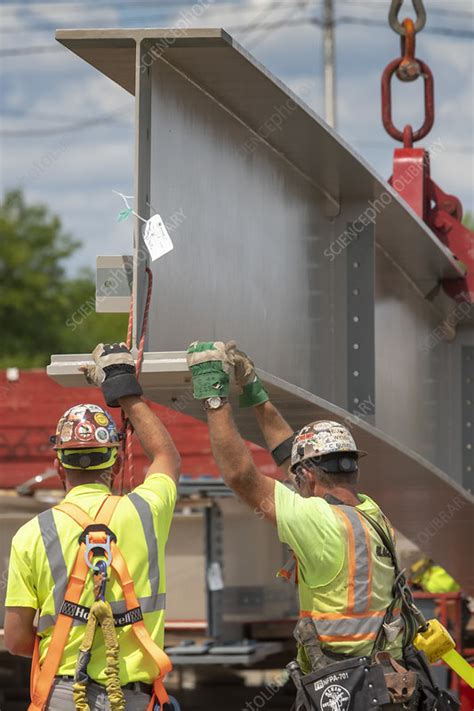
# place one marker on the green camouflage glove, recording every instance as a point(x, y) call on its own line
point(253, 391)
point(210, 368)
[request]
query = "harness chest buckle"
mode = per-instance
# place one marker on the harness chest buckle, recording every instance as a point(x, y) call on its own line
point(97, 539)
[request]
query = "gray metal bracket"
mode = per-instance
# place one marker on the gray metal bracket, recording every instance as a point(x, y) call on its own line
point(360, 325)
point(114, 277)
point(214, 549)
point(467, 397)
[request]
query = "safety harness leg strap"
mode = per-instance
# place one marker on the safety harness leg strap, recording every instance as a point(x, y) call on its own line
point(45, 677)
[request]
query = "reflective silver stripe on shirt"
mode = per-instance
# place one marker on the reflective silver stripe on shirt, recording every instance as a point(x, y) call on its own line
point(146, 517)
point(362, 564)
point(349, 626)
point(54, 553)
point(151, 603)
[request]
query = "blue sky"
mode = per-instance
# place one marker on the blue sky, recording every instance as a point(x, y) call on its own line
point(45, 93)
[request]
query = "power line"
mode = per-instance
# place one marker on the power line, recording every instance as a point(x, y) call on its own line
point(221, 5)
point(39, 115)
point(434, 6)
point(382, 4)
point(86, 123)
point(352, 20)
point(18, 52)
point(74, 6)
point(300, 6)
point(252, 26)
point(343, 20)
point(116, 4)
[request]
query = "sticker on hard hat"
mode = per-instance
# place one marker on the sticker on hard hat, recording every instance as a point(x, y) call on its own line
point(76, 411)
point(335, 698)
point(101, 419)
point(65, 433)
point(304, 437)
point(84, 431)
point(93, 408)
point(101, 434)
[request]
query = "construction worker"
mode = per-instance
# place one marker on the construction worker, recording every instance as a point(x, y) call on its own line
point(432, 578)
point(356, 625)
point(96, 558)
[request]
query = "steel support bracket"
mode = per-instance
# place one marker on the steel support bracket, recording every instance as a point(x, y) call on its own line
point(114, 278)
point(442, 213)
point(411, 178)
point(460, 240)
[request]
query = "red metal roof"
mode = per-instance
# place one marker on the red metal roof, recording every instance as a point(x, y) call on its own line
point(31, 406)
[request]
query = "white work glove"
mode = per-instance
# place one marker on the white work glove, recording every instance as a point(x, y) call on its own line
point(113, 371)
point(252, 390)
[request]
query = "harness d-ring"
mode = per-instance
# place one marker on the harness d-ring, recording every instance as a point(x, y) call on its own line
point(95, 546)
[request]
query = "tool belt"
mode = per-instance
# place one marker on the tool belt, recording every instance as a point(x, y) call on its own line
point(350, 683)
point(364, 684)
point(359, 684)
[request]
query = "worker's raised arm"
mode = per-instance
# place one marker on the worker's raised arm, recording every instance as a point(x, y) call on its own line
point(114, 373)
point(277, 432)
point(154, 437)
point(210, 367)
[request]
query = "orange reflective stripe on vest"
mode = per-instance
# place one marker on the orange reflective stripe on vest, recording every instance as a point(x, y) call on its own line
point(333, 627)
point(290, 570)
point(42, 680)
point(360, 557)
point(357, 621)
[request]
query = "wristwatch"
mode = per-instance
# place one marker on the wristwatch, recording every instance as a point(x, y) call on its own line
point(214, 403)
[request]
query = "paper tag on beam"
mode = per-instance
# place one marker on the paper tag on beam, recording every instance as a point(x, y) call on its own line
point(214, 577)
point(156, 237)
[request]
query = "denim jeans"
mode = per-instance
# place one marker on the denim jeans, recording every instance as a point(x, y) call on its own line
point(61, 699)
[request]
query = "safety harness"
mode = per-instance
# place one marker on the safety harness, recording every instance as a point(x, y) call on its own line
point(95, 536)
point(412, 618)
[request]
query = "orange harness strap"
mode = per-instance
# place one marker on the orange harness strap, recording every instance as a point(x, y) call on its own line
point(42, 679)
point(45, 677)
point(160, 658)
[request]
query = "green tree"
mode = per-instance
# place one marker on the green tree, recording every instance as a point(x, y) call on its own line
point(468, 221)
point(37, 299)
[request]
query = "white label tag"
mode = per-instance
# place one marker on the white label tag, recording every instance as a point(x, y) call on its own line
point(156, 237)
point(214, 577)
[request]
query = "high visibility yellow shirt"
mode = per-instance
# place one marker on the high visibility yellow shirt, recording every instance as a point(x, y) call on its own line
point(345, 573)
point(437, 580)
point(43, 553)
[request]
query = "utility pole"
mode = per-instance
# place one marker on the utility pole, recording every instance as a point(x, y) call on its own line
point(329, 64)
